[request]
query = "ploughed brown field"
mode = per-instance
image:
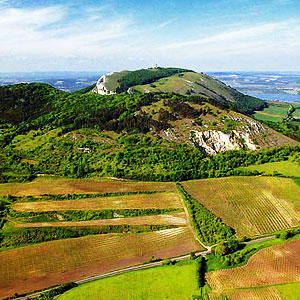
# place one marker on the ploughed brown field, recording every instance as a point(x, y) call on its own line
point(39, 266)
point(34, 267)
point(251, 205)
point(138, 201)
point(178, 219)
point(275, 265)
point(269, 293)
point(78, 186)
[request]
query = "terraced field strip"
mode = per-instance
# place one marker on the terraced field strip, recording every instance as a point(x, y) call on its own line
point(38, 266)
point(275, 265)
point(250, 205)
point(166, 219)
point(269, 293)
point(138, 201)
point(80, 186)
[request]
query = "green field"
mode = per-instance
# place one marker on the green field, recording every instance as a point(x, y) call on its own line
point(169, 282)
point(286, 168)
point(290, 291)
point(262, 117)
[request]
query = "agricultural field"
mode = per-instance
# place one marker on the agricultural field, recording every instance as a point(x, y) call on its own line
point(269, 293)
point(289, 291)
point(276, 111)
point(108, 232)
point(178, 219)
point(134, 201)
point(250, 205)
point(286, 168)
point(75, 186)
point(271, 266)
point(176, 282)
point(35, 267)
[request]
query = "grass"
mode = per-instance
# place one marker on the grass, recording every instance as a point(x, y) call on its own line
point(286, 168)
point(176, 282)
point(290, 291)
point(261, 116)
point(251, 205)
point(200, 84)
point(277, 110)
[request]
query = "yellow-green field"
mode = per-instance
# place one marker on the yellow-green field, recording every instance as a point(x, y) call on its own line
point(286, 168)
point(251, 205)
point(168, 282)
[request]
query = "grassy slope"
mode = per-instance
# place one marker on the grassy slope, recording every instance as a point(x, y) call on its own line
point(169, 282)
point(286, 168)
point(201, 84)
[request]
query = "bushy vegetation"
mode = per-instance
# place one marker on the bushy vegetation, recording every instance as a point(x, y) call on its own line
point(82, 215)
point(5, 203)
point(247, 104)
point(51, 117)
point(15, 237)
point(289, 129)
point(51, 294)
point(200, 271)
point(209, 229)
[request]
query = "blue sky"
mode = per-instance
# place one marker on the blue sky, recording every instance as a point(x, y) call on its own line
point(90, 35)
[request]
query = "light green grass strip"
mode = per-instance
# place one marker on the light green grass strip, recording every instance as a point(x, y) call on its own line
point(286, 168)
point(169, 282)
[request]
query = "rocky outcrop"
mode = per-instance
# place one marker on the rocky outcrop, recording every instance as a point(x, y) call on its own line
point(214, 142)
point(101, 88)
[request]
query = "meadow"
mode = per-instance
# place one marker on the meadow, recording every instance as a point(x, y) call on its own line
point(250, 205)
point(176, 282)
point(286, 168)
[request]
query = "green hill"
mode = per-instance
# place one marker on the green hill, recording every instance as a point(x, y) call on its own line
point(137, 136)
point(179, 81)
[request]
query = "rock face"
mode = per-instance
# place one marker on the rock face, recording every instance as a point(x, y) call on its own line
point(214, 142)
point(101, 88)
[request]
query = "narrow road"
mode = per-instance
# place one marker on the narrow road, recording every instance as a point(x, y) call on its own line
point(259, 240)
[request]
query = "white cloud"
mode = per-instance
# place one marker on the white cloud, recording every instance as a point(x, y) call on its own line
point(165, 24)
point(231, 36)
point(46, 33)
point(51, 38)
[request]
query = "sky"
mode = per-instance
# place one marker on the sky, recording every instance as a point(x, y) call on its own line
point(113, 35)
